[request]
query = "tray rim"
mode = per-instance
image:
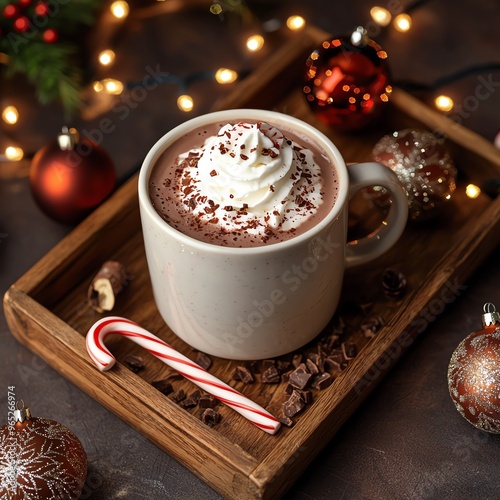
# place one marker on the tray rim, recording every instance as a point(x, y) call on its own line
point(20, 307)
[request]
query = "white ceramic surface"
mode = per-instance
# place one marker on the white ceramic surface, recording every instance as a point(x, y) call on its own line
point(261, 302)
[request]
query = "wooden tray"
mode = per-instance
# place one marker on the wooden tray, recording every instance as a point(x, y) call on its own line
point(46, 309)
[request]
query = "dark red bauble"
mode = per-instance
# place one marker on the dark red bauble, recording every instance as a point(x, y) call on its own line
point(474, 379)
point(347, 84)
point(40, 458)
point(25, 3)
point(68, 184)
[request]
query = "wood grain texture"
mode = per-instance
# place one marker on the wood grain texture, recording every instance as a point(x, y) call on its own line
point(47, 311)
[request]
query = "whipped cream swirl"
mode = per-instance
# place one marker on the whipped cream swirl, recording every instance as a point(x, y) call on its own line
point(250, 178)
point(249, 166)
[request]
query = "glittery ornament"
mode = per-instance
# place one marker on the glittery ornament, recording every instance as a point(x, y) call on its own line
point(347, 81)
point(40, 459)
point(71, 176)
point(424, 167)
point(474, 374)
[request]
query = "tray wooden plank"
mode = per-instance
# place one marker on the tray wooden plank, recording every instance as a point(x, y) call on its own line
point(46, 308)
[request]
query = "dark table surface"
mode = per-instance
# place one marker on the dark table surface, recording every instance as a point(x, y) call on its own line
point(406, 440)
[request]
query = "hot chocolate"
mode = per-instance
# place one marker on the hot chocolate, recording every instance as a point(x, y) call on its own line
point(243, 184)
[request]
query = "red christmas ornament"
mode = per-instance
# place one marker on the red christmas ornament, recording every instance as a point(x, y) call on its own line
point(474, 374)
point(69, 177)
point(41, 8)
point(40, 458)
point(50, 36)
point(25, 3)
point(22, 23)
point(10, 11)
point(347, 81)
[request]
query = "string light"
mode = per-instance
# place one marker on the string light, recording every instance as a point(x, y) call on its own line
point(120, 9)
point(108, 85)
point(472, 191)
point(185, 103)
point(14, 153)
point(380, 15)
point(10, 115)
point(225, 75)
point(255, 43)
point(402, 22)
point(295, 23)
point(106, 57)
point(444, 103)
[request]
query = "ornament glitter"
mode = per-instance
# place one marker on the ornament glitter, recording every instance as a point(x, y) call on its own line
point(40, 459)
point(474, 374)
point(424, 167)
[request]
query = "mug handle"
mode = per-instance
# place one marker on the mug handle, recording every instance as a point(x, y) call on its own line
point(362, 175)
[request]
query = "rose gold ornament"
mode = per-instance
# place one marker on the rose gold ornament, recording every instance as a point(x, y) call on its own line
point(474, 374)
point(40, 459)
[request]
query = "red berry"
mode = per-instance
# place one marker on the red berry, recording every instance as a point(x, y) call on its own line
point(21, 24)
point(41, 8)
point(24, 3)
point(10, 11)
point(50, 35)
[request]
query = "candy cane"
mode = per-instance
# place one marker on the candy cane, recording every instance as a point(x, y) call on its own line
point(163, 351)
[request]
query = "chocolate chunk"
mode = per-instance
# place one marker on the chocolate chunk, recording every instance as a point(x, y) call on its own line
point(285, 377)
point(271, 376)
point(333, 364)
point(297, 359)
point(293, 405)
point(318, 360)
point(244, 374)
point(164, 386)
point(135, 363)
point(207, 401)
point(331, 342)
point(287, 421)
point(178, 396)
point(322, 381)
point(305, 395)
point(371, 326)
point(299, 378)
point(393, 283)
point(337, 355)
point(192, 400)
point(267, 363)
point(349, 350)
point(210, 417)
point(289, 388)
point(282, 365)
point(312, 367)
point(203, 360)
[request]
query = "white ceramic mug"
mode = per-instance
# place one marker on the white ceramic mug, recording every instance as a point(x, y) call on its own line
point(261, 302)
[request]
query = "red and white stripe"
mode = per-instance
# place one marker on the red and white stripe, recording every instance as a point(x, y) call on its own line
point(223, 392)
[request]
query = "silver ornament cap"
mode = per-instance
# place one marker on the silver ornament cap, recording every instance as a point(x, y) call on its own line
point(491, 317)
point(21, 414)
